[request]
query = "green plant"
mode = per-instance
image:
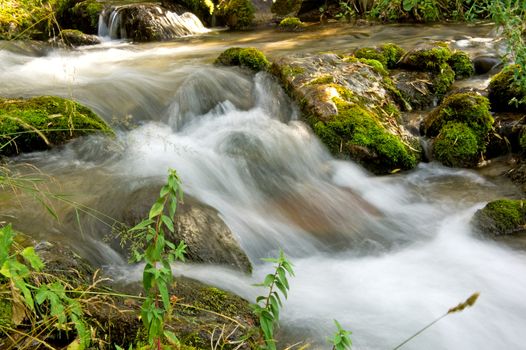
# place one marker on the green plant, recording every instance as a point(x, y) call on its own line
point(158, 253)
point(341, 340)
point(46, 305)
point(346, 11)
point(267, 306)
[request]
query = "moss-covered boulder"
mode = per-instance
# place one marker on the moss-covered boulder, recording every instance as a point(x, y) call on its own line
point(39, 123)
point(291, 24)
point(238, 14)
point(461, 65)
point(502, 217)
point(248, 57)
point(469, 108)
point(457, 146)
point(504, 92)
point(351, 106)
point(416, 88)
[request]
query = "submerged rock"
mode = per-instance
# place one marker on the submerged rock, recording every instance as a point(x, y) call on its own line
point(40, 123)
point(73, 37)
point(350, 105)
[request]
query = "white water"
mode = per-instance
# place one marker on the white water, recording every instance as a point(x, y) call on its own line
point(383, 255)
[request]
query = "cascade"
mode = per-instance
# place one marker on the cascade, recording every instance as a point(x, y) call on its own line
point(146, 22)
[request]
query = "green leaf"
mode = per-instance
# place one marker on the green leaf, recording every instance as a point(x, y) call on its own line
point(168, 223)
point(283, 277)
point(157, 209)
point(6, 240)
point(164, 191)
point(408, 5)
point(269, 279)
point(172, 208)
point(141, 225)
point(172, 338)
point(32, 258)
point(282, 288)
point(163, 290)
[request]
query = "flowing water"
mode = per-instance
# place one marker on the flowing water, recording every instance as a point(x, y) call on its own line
point(383, 255)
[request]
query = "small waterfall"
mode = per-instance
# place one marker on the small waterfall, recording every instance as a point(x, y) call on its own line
point(147, 22)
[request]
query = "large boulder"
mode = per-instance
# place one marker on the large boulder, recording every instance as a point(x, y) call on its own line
point(74, 38)
point(351, 105)
point(200, 226)
point(39, 123)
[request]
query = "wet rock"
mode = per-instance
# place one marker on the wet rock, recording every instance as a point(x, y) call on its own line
point(208, 238)
point(40, 123)
point(73, 37)
point(350, 104)
point(485, 63)
point(82, 15)
point(416, 88)
point(504, 220)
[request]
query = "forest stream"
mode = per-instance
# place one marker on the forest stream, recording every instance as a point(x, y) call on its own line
point(383, 255)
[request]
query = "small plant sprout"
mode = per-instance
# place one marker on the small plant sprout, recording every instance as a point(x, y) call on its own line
point(267, 306)
point(158, 253)
point(341, 340)
point(460, 307)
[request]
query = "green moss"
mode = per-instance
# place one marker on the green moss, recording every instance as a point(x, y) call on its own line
point(371, 53)
point(522, 140)
point(389, 85)
point(87, 13)
point(502, 217)
point(249, 57)
point(393, 54)
point(461, 65)
point(291, 24)
point(503, 90)
point(428, 60)
point(442, 80)
point(26, 124)
point(376, 65)
point(292, 70)
point(469, 108)
point(457, 146)
point(6, 308)
point(324, 79)
point(355, 131)
point(239, 14)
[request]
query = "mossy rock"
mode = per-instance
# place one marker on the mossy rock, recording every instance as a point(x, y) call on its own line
point(503, 89)
point(457, 146)
point(39, 123)
point(291, 24)
point(461, 65)
point(393, 54)
point(442, 80)
point(371, 53)
point(248, 57)
point(238, 14)
point(427, 59)
point(357, 133)
point(501, 217)
point(469, 108)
